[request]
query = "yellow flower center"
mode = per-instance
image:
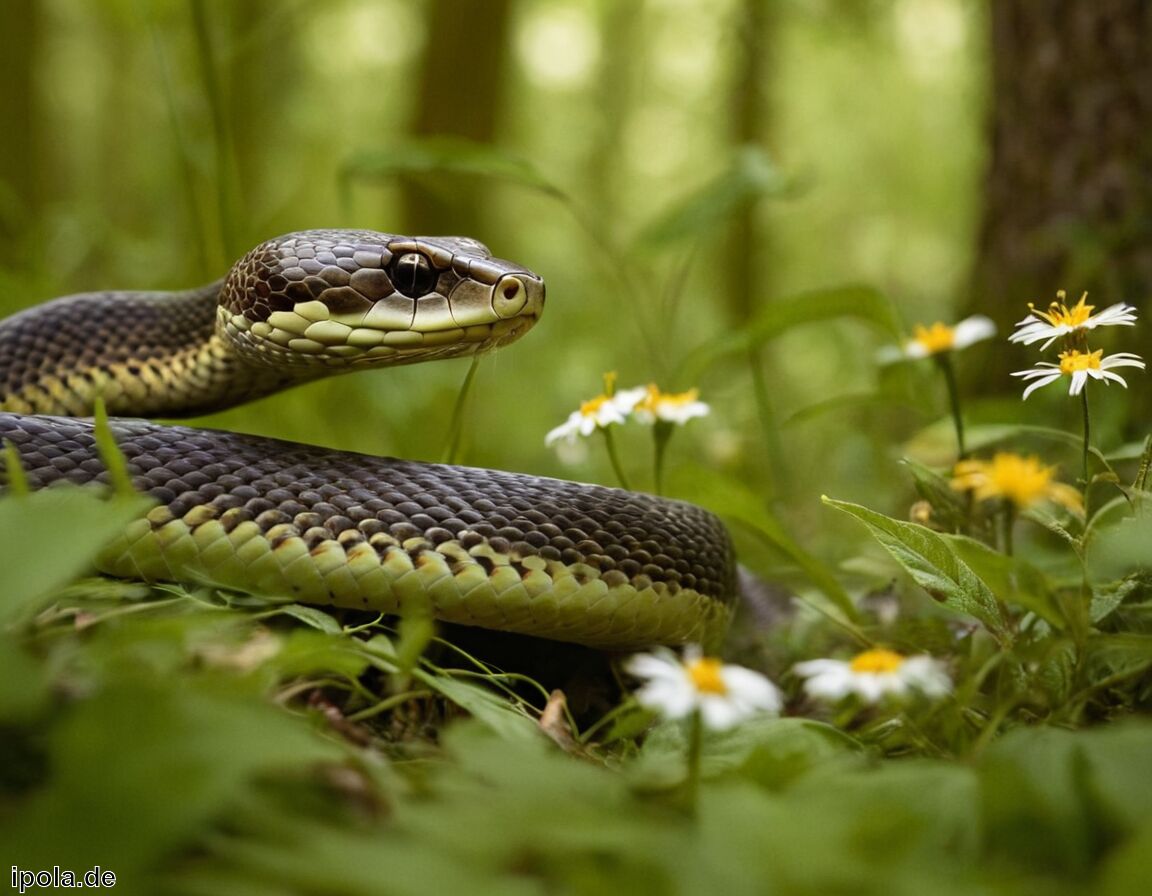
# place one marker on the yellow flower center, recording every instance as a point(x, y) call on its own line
point(705, 675)
point(877, 661)
point(1059, 314)
point(592, 405)
point(1022, 480)
point(935, 339)
point(1074, 361)
point(653, 398)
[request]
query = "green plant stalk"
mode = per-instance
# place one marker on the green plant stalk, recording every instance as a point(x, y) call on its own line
point(456, 425)
point(118, 476)
point(17, 478)
point(773, 471)
point(1087, 434)
point(695, 748)
point(614, 458)
point(661, 434)
point(1008, 522)
point(944, 362)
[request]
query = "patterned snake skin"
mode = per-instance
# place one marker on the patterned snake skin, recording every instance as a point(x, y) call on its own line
point(593, 565)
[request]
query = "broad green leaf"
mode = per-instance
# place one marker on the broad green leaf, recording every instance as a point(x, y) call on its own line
point(731, 500)
point(934, 566)
point(751, 176)
point(1013, 580)
point(440, 155)
point(1058, 799)
point(493, 711)
point(767, 750)
point(782, 314)
point(1118, 550)
point(1107, 597)
point(140, 768)
point(52, 535)
point(313, 617)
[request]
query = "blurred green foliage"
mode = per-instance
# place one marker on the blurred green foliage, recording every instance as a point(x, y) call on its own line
point(204, 743)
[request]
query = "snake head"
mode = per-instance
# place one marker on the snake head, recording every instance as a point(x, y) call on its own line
point(348, 298)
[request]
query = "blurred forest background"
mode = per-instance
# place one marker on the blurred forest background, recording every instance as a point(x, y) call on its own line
point(674, 169)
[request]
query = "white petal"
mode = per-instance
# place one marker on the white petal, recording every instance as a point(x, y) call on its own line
point(566, 430)
point(654, 665)
point(1047, 378)
point(1079, 379)
point(973, 329)
point(752, 688)
point(1120, 314)
point(719, 713)
point(1122, 359)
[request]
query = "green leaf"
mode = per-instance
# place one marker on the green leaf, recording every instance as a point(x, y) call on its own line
point(732, 500)
point(1118, 550)
point(51, 537)
point(446, 155)
point(751, 176)
point(782, 314)
point(1060, 799)
point(140, 768)
point(313, 617)
point(934, 566)
point(1013, 580)
point(493, 711)
point(1108, 597)
point(770, 751)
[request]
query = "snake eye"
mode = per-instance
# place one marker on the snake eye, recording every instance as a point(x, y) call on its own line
point(413, 275)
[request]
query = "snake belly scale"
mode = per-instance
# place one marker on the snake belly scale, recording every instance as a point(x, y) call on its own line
point(593, 565)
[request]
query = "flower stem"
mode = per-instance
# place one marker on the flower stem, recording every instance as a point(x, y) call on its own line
point(456, 426)
point(614, 457)
point(944, 361)
point(1008, 520)
point(1087, 433)
point(661, 433)
point(695, 743)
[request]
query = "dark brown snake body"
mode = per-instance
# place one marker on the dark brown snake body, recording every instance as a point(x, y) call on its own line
point(593, 565)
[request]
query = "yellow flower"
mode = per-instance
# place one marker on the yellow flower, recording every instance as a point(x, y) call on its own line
point(597, 413)
point(1060, 320)
point(679, 407)
point(1080, 366)
point(940, 337)
point(873, 675)
point(724, 695)
point(1022, 480)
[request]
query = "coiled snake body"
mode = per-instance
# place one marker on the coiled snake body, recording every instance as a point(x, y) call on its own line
point(583, 563)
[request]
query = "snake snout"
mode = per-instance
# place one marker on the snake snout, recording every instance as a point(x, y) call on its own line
point(519, 294)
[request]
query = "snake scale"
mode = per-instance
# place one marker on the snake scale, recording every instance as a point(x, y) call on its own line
point(593, 565)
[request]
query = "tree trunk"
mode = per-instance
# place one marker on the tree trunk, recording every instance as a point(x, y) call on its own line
point(1068, 195)
point(460, 91)
point(22, 148)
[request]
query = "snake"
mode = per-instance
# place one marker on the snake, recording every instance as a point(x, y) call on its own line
point(599, 566)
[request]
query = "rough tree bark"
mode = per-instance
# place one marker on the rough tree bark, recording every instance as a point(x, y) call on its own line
point(1068, 194)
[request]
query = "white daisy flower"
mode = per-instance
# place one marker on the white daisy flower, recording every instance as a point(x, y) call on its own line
point(724, 695)
point(671, 407)
point(1060, 320)
point(1080, 366)
point(940, 337)
point(596, 413)
point(874, 675)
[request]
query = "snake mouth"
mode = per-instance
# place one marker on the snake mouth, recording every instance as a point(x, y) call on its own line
point(296, 341)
